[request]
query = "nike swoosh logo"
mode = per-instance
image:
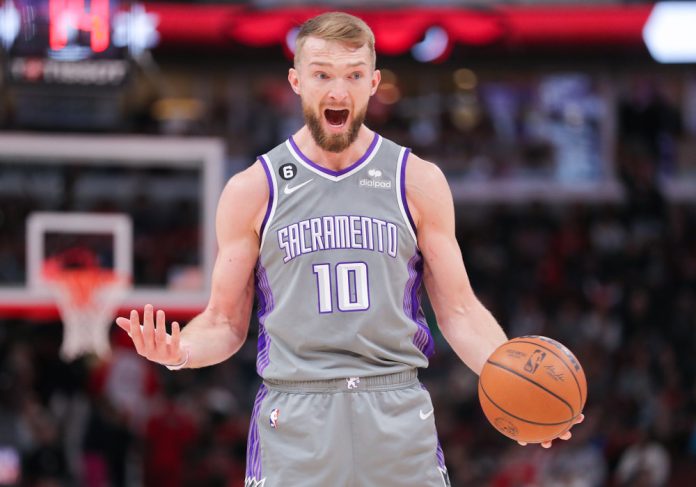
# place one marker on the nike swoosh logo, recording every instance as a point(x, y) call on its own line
point(289, 190)
point(425, 416)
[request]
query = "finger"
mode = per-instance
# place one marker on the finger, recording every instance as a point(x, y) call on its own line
point(124, 324)
point(175, 340)
point(136, 332)
point(523, 443)
point(580, 418)
point(160, 332)
point(566, 436)
point(546, 444)
point(148, 329)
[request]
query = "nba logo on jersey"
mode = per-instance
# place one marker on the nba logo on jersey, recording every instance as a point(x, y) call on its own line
point(274, 418)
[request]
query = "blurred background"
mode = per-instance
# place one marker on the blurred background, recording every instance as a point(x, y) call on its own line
point(567, 131)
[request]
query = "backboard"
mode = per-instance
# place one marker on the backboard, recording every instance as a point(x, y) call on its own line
point(166, 188)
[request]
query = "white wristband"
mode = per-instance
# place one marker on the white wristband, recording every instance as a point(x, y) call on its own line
point(180, 365)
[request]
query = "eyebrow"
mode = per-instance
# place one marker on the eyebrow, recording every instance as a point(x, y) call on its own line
point(350, 65)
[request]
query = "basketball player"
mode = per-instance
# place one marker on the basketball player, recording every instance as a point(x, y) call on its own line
point(336, 228)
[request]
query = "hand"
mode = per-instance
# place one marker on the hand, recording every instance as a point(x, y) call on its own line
point(152, 340)
point(563, 436)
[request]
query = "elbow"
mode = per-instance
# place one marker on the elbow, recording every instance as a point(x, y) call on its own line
point(446, 322)
point(233, 329)
point(238, 334)
point(456, 312)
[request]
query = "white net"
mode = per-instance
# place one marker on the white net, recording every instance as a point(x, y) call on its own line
point(87, 301)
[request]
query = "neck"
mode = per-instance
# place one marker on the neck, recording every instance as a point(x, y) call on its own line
point(335, 161)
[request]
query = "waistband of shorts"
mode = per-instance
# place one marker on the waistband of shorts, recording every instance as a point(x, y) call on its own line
point(398, 380)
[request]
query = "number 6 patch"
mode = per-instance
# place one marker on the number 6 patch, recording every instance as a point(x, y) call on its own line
point(287, 171)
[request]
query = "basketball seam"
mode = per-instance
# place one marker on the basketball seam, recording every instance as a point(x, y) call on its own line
point(537, 423)
point(570, 369)
point(514, 372)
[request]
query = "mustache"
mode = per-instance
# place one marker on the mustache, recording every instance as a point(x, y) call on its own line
point(336, 142)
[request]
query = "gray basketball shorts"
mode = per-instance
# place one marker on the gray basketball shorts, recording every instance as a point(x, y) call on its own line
point(352, 432)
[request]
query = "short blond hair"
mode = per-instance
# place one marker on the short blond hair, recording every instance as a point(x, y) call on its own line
point(340, 27)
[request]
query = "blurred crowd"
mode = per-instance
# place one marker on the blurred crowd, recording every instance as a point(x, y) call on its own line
point(615, 283)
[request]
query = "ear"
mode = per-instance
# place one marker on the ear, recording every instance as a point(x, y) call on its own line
point(376, 78)
point(294, 80)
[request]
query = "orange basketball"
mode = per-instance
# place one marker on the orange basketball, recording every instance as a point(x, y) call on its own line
point(532, 388)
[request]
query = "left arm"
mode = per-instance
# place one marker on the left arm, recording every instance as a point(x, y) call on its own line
point(466, 324)
point(469, 328)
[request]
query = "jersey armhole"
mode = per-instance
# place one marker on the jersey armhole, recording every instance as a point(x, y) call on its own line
point(401, 192)
point(272, 196)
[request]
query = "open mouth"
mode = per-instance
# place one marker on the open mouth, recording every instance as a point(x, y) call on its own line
point(336, 118)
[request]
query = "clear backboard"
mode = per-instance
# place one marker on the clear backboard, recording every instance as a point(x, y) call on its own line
point(165, 188)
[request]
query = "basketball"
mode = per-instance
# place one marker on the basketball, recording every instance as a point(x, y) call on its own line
point(532, 388)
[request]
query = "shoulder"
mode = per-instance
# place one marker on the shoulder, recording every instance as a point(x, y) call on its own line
point(245, 197)
point(427, 189)
point(250, 185)
point(420, 172)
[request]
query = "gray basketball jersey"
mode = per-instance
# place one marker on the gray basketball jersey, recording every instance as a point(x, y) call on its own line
point(339, 273)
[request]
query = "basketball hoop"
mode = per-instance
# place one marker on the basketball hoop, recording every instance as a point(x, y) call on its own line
point(87, 298)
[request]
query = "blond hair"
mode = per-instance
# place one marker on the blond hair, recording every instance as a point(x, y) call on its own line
point(337, 26)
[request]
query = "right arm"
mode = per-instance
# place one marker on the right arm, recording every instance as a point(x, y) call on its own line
point(220, 330)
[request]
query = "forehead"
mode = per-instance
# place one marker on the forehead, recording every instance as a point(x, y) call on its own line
point(316, 50)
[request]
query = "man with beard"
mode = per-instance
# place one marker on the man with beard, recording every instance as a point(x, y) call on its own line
point(336, 228)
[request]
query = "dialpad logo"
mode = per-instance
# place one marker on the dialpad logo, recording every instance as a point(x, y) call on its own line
point(375, 180)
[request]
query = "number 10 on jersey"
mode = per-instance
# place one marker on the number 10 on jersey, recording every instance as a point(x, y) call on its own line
point(350, 280)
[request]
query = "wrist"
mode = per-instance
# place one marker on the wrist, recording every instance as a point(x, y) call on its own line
point(181, 364)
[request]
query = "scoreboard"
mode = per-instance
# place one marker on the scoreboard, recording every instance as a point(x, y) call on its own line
point(68, 62)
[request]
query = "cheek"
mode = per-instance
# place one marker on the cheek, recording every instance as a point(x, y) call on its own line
point(362, 96)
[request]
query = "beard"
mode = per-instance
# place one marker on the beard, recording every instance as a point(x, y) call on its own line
point(332, 142)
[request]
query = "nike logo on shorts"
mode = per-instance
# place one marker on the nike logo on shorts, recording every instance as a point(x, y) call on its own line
point(425, 416)
point(289, 190)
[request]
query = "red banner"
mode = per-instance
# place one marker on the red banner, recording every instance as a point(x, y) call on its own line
point(396, 31)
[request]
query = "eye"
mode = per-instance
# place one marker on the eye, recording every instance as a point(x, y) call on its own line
point(356, 76)
point(322, 76)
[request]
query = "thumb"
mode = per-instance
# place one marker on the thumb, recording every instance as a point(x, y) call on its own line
point(124, 324)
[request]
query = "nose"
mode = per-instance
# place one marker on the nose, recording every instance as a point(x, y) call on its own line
point(338, 91)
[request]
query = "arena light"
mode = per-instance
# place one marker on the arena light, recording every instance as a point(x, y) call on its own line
point(291, 39)
point(9, 23)
point(136, 29)
point(670, 32)
point(433, 47)
point(465, 79)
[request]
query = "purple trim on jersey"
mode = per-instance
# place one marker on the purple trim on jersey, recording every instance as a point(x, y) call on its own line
point(266, 305)
point(306, 159)
point(422, 339)
point(402, 189)
point(271, 194)
point(253, 453)
point(440, 456)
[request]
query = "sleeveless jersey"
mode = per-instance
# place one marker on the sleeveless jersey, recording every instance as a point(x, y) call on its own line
point(339, 273)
